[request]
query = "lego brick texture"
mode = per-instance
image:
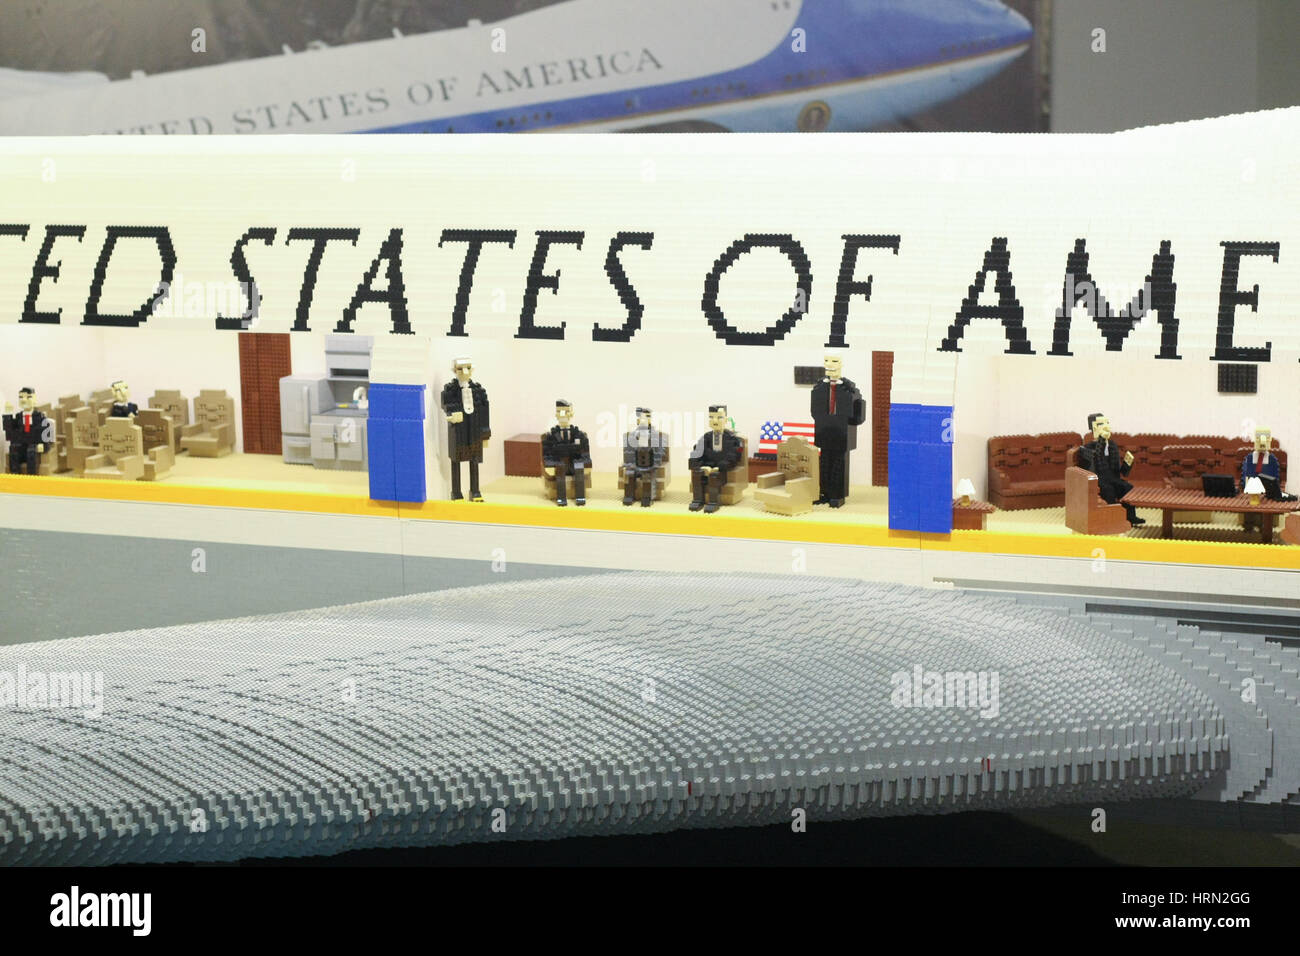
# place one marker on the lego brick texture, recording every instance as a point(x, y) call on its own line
point(622, 703)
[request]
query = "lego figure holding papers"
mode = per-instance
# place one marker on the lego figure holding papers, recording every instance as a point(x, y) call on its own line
point(1103, 458)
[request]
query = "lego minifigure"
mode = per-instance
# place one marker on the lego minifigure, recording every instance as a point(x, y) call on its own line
point(643, 454)
point(28, 432)
point(837, 411)
point(1262, 463)
point(465, 404)
point(566, 449)
point(1103, 458)
point(716, 453)
point(123, 407)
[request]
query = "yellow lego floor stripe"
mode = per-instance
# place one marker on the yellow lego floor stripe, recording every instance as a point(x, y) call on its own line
point(721, 525)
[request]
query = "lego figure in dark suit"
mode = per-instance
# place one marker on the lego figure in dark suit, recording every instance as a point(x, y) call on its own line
point(837, 411)
point(566, 449)
point(465, 404)
point(643, 452)
point(1103, 458)
point(1261, 461)
point(715, 454)
point(28, 432)
point(123, 407)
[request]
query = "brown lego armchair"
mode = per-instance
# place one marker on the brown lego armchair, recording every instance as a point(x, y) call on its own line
point(159, 439)
point(1085, 511)
point(213, 432)
point(663, 473)
point(121, 452)
point(796, 484)
point(1291, 529)
point(175, 406)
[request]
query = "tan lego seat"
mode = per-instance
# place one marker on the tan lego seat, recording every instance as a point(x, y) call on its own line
point(548, 484)
point(663, 473)
point(159, 442)
point(796, 484)
point(121, 452)
point(82, 438)
point(212, 434)
point(176, 406)
point(738, 478)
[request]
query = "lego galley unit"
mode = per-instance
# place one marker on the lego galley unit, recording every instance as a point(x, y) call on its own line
point(967, 343)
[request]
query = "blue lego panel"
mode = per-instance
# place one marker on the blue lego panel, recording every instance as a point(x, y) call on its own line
point(904, 422)
point(903, 498)
point(934, 421)
point(380, 455)
point(396, 401)
point(408, 457)
point(934, 487)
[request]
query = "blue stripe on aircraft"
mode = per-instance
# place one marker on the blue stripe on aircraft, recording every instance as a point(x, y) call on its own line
point(846, 41)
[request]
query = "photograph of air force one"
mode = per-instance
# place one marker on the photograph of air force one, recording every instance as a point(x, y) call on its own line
point(528, 66)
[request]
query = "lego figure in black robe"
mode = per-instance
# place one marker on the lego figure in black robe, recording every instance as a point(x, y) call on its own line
point(715, 454)
point(566, 449)
point(643, 452)
point(1103, 458)
point(26, 432)
point(465, 404)
point(123, 407)
point(837, 411)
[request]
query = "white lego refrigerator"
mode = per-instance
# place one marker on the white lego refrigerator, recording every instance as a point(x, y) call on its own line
point(301, 398)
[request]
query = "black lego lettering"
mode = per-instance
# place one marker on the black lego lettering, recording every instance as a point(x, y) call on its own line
point(626, 293)
point(803, 284)
point(475, 238)
point(42, 269)
point(538, 280)
point(394, 296)
point(239, 263)
point(1008, 311)
point(1230, 297)
point(846, 285)
point(319, 238)
point(1078, 288)
point(163, 240)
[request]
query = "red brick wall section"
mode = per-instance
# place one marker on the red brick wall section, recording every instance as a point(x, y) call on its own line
point(263, 360)
point(882, 374)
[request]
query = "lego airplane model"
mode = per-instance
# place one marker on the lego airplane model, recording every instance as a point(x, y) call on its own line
point(581, 65)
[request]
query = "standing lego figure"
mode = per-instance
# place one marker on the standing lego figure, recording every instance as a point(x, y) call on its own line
point(123, 407)
point(566, 449)
point(28, 432)
point(1103, 457)
point(643, 454)
point(715, 454)
point(465, 403)
point(837, 411)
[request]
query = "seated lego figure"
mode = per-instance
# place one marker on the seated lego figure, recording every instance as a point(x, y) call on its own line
point(123, 407)
point(1104, 459)
point(645, 449)
point(795, 486)
point(28, 432)
point(1262, 463)
point(566, 449)
point(717, 452)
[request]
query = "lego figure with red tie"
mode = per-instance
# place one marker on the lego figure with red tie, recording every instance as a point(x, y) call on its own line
point(28, 432)
point(837, 411)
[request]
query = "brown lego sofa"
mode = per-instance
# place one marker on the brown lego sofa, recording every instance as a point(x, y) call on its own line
point(1028, 471)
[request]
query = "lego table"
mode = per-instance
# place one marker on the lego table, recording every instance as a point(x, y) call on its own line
point(524, 455)
point(970, 517)
point(1169, 500)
